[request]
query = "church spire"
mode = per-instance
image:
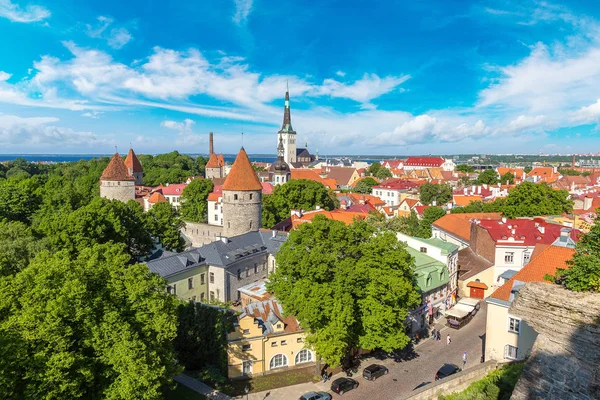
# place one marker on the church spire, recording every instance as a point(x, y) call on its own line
point(287, 118)
point(280, 148)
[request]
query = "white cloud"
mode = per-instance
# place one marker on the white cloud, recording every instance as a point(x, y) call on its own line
point(93, 114)
point(39, 131)
point(4, 76)
point(242, 11)
point(115, 37)
point(31, 13)
point(185, 135)
point(524, 123)
point(369, 87)
point(341, 73)
point(587, 114)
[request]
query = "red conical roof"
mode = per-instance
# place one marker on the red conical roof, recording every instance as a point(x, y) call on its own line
point(213, 161)
point(116, 170)
point(242, 175)
point(132, 162)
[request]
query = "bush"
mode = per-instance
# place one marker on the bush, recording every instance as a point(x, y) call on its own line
point(497, 385)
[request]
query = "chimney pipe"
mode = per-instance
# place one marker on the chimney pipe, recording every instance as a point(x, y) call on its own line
point(210, 144)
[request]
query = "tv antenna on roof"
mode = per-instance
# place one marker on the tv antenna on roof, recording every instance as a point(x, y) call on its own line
point(116, 151)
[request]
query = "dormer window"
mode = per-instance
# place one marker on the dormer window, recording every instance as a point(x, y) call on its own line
point(278, 326)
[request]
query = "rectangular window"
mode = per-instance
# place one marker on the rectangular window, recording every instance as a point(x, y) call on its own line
point(216, 217)
point(511, 352)
point(514, 325)
point(246, 331)
point(216, 206)
point(256, 268)
point(284, 342)
point(526, 257)
point(423, 249)
point(246, 367)
point(169, 289)
point(211, 277)
point(509, 258)
point(299, 340)
point(273, 344)
point(191, 283)
point(202, 279)
point(212, 295)
point(246, 347)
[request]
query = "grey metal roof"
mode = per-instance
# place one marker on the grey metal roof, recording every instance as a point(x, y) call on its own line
point(220, 253)
point(508, 274)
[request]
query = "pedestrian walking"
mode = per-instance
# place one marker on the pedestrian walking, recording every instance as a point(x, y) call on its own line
point(448, 340)
point(439, 336)
point(325, 376)
point(433, 334)
point(464, 359)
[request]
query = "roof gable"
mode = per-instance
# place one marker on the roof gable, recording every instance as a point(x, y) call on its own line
point(242, 176)
point(132, 162)
point(116, 170)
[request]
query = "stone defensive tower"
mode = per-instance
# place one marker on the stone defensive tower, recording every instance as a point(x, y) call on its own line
point(215, 164)
point(116, 183)
point(134, 167)
point(242, 198)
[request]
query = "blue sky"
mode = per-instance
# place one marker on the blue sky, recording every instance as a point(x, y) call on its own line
point(394, 77)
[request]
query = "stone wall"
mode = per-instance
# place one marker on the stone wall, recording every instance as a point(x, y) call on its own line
point(242, 214)
point(118, 190)
point(212, 173)
point(565, 359)
point(200, 234)
point(455, 383)
point(247, 275)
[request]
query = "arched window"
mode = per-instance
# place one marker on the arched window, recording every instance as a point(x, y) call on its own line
point(304, 356)
point(235, 196)
point(278, 361)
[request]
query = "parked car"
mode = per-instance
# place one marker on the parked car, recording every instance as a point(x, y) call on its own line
point(343, 385)
point(374, 371)
point(421, 385)
point(446, 370)
point(315, 396)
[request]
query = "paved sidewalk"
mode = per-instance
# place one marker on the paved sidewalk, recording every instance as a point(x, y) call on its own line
point(406, 375)
point(201, 388)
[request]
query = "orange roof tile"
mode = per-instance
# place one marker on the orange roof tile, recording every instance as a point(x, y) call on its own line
point(242, 175)
point(312, 175)
point(459, 225)
point(213, 161)
point(116, 170)
point(346, 217)
point(462, 200)
point(132, 162)
point(157, 197)
point(547, 262)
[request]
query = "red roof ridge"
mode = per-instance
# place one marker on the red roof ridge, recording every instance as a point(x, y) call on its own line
point(242, 175)
point(116, 170)
point(132, 162)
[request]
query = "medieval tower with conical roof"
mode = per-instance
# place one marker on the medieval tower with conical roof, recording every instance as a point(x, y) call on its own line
point(116, 183)
point(242, 198)
point(134, 167)
point(215, 166)
point(287, 133)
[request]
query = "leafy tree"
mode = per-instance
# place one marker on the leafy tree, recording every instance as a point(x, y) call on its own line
point(584, 268)
point(193, 200)
point(489, 176)
point(348, 287)
point(530, 200)
point(527, 169)
point(508, 178)
point(465, 181)
point(430, 192)
point(164, 224)
point(586, 173)
point(364, 185)
point(18, 199)
point(374, 168)
point(409, 225)
point(430, 215)
point(383, 173)
point(101, 221)
point(201, 339)
point(171, 167)
point(569, 172)
point(295, 194)
point(464, 168)
point(87, 327)
point(17, 247)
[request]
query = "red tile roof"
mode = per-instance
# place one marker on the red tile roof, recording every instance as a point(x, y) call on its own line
point(242, 176)
point(116, 170)
point(339, 215)
point(175, 189)
point(132, 162)
point(213, 161)
point(420, 209)
point(312, 175)
point(459, 225)
point(527, 232)
point(267, 188)
point(157, 197)
point(547, 262)
point(462, 200)
point(424, 162)
point(397, 184)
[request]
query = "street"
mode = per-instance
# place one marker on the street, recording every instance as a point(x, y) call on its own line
point(404, 376)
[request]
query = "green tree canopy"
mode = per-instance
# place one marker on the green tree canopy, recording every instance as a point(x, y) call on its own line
point(17, 247)
point(430, 192)
point(164, 224)
point(18, 199)
point(430, 215)
point(296, 194)
point(374, 168)
point(507, 179)
point(489, 177)
point(348, 287)
point(383, 173)
point(193, 200)
point(530, 200)
point(171, 167)
point(584, 268)
point(86, 328)
point(364, 185)
point(464, 168)
point(569, 172)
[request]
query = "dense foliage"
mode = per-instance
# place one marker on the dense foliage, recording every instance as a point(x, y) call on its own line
point(365, 185)
point(378, 171)
point(583, 273)
point(348, 287)
point(193, 200)
point(409, 225)
point(171, 167)
point(497, 385)
point(464, 168)
point(430, 192)
point(86, 326)
point(296, 194)
point(489, 177)
point(507, 178)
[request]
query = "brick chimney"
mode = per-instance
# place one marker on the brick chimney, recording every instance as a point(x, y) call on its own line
point(210, 144)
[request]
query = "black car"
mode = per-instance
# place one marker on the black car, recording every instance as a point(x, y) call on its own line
point(446, 370)
point(374, 371)
point(343, 385)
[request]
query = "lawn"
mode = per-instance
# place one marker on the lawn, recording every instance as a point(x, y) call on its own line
point(182, 392)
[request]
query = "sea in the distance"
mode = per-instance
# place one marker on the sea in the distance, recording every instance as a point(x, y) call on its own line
point(60, 158)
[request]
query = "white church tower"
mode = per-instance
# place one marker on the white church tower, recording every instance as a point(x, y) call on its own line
point(287, 133)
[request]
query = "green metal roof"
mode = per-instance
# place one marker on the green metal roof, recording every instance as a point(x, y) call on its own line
point(446, 247)
point(429, 272)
